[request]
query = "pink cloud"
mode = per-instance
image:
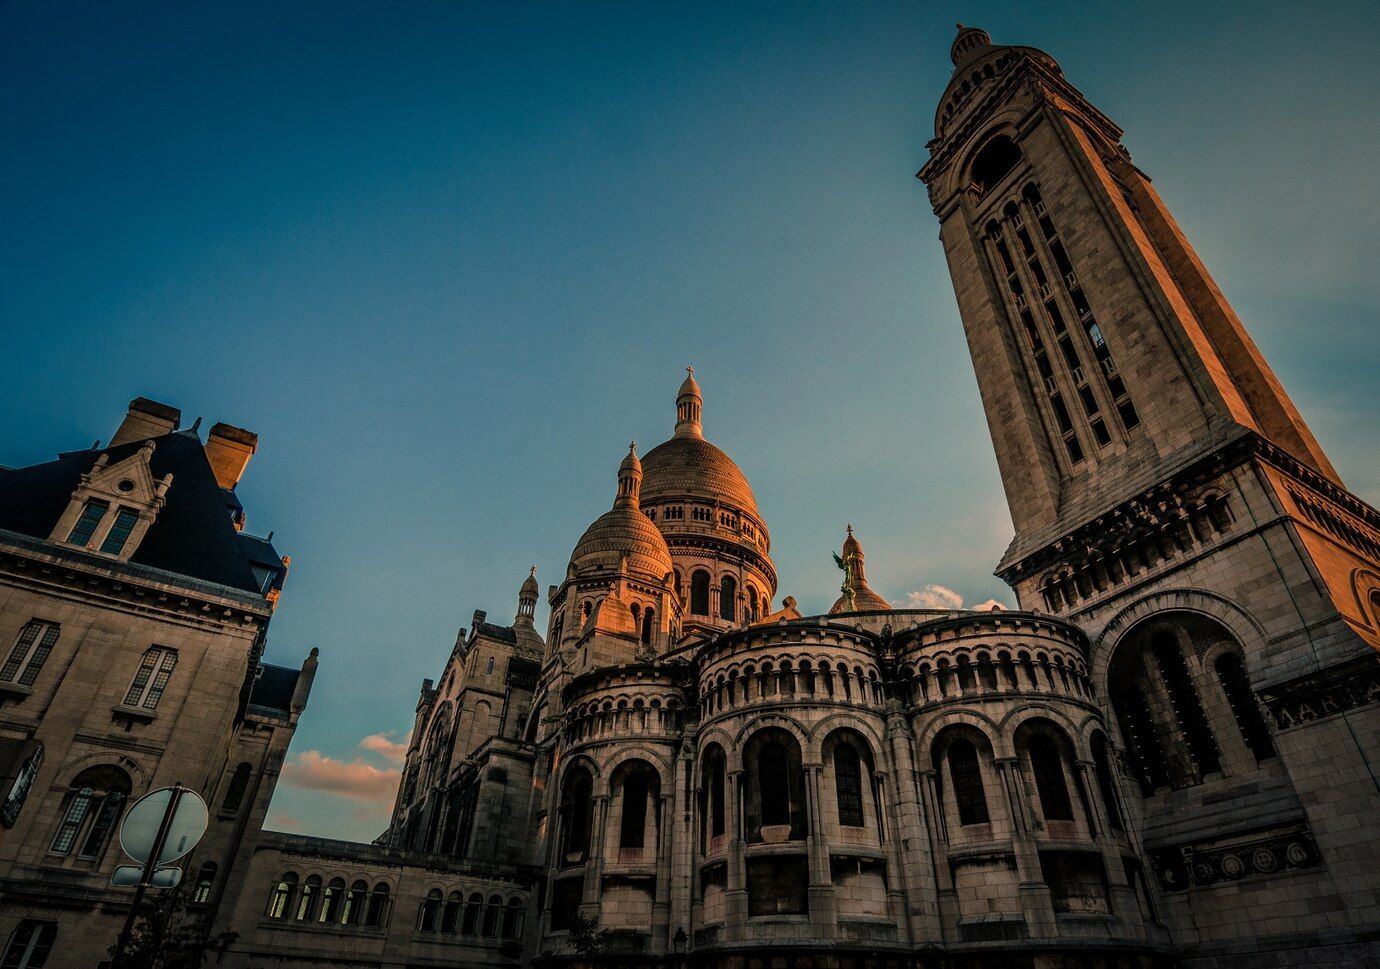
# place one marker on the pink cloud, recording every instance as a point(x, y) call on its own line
point(355, 780)
point(380, 743)
point(282, 821)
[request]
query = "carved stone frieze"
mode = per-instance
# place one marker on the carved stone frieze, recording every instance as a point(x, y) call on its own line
point(1270, 852)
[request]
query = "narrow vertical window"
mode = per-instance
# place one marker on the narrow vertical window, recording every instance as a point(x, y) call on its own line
point(85, 527)
point(119, 532)
point(773, 785)
point(306, 902)
point(30, 652)
point(234, 791)
point(967, 780)
point(728, 598)
point(281, 897)
point(205, 879)
point(632, 828)
point(152, 678)
point(699, 593)
point(1048, 768)
point(1244, 708)
point(848, 785)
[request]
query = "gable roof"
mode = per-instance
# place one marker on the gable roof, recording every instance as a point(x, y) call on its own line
point(193, 534)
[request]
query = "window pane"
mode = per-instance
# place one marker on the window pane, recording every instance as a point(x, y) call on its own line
point(119, 532)
point(85, 527)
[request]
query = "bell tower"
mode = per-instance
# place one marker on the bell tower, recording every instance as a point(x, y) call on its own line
point(1167, 497)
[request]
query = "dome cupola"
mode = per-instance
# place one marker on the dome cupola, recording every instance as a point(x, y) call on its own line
point(857, 595)
point(623, 533)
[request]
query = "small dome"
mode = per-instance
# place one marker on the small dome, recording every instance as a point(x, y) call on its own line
point(855, 586)
point(529, 586)
point(624, 532)
point(690, 387)
point(970, 44)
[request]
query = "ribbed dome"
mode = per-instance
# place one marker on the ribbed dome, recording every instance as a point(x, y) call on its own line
point(693, 466)
point(624, 531)
point(618, 532)
point(864, 600)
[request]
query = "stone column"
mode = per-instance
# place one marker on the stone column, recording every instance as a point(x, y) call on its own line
point(735, 881)
point(594, 867)
point(915, 871)
point(661, 905)
point(1120, 893)
point(823, 906)
point(1035, 896)
point(895, 893)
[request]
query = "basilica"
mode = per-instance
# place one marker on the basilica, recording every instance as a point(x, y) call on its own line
point(1166, 755)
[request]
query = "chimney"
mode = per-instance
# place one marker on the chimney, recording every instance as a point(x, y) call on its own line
point(146, 419)
point(229, 449)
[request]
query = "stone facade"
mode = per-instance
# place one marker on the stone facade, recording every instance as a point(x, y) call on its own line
point(134, 613)
point(1165, 756)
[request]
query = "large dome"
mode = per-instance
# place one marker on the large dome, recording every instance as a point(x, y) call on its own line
point(693, 466)
point(687, 464)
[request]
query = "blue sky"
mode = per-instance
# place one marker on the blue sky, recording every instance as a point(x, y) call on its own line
point(447, 259)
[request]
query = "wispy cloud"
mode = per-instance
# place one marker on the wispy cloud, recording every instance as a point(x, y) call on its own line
point(356, 780)
point(934, 597)
point(383, 745)
point(282, 821)
point(942, 597)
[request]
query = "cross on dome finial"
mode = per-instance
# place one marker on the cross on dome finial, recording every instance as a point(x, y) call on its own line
point(850, 528)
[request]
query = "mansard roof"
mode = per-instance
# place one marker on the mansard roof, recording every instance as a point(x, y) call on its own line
point(193, 534)
point(274, 687)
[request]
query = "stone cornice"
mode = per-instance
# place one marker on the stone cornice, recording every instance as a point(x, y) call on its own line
point(75, 574)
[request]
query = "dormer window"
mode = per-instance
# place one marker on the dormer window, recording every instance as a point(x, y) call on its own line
point(114, 505)
point(91, 515)
point(115, 539)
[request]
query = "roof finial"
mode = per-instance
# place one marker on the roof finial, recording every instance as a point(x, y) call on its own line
point(533, 572)
point(850, 528)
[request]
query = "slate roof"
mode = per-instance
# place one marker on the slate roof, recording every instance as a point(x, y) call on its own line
point(193, 534)
point(274, 688)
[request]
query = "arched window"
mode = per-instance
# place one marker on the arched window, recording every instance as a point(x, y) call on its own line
point(772, 781)
point(1232, 675)
point(1106, 786)
point(355, 904)
point(234, 791)
point(1168, 738)
point(750, 602)
point(699, 593)
point(728, 598)
point(966, 776)
point(648, 625)
point(992, 162)
point(1048, 768)
point(632, 828)
point(450, 917)
point(848, 785)
point(306, 902)
point(575, 816)
point(280, 900)
point(205, 879)
point(430, 915)
point(91, 811)
point(470, 926)
point(512, 919)
point(491, 912)
point(774, 807)
point(378, 905)
point(331, 900)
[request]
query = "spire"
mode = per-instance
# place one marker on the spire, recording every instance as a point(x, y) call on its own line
point(857, 595)
point(527, 598)
point(688, 403)
point(629, 479)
